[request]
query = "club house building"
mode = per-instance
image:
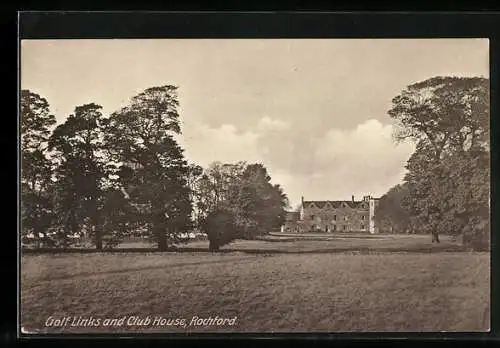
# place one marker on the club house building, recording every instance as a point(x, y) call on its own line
point(333, 216)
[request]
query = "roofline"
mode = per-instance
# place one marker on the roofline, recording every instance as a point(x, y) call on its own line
point(346, 201)
point(339, 201)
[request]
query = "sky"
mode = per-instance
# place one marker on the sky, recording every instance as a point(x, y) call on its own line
point(313, 111)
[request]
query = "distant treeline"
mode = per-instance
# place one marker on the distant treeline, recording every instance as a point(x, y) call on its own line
point(109, 177)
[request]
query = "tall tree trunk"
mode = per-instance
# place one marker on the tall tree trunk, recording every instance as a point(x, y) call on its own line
point(435, 237)
point(162, 238)
point(161, 235)
point(213, 246)
point(159, 227)
point(98, 232)
point(36, 232)
point(98, 237)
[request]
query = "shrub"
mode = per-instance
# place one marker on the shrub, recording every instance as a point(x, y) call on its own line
point(220, 228)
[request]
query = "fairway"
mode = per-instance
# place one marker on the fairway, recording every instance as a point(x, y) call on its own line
point(301, 292)
point(315, 243)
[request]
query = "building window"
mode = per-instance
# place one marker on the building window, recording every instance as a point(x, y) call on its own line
point(362, 227)
point(362, 217)
point(345, 218)
point(334, 217)
point(312, 217)
point(335, 227)
point(345, 228)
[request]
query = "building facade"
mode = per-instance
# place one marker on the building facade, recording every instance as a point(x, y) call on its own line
point(334, 216)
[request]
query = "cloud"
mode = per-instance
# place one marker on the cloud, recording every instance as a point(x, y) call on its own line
point(341, 162)
point(267, 124)
point(367, 144)
point(360, 161)
point(204, 145)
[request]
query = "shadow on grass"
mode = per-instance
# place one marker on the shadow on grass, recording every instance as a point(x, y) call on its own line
point(313, 239)
point(316, 236)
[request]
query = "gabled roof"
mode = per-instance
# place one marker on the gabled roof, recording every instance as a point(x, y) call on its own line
point(320, 204)
point(335, 204)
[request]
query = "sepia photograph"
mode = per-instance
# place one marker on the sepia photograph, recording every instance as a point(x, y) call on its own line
point(254, 186)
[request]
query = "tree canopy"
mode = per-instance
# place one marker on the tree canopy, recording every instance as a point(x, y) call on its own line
point(107, 177)
point(243, 194)
point(447, 178)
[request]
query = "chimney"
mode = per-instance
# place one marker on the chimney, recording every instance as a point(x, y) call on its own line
point(353, 198)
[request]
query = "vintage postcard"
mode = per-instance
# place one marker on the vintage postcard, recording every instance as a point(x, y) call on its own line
point(254, 185)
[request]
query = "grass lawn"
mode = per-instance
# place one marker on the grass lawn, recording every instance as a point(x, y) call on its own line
point(323, 292)
point(285, 243)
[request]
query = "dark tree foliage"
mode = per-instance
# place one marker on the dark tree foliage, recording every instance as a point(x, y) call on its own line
point(221, 228)
point(390, 215)
point(119, 217)
point(238, 201)
point(37, 210)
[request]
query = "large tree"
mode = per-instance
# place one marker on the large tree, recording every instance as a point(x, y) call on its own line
point(36, 168)
point(82, 170)
point(448, 117)
point(154, 173)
